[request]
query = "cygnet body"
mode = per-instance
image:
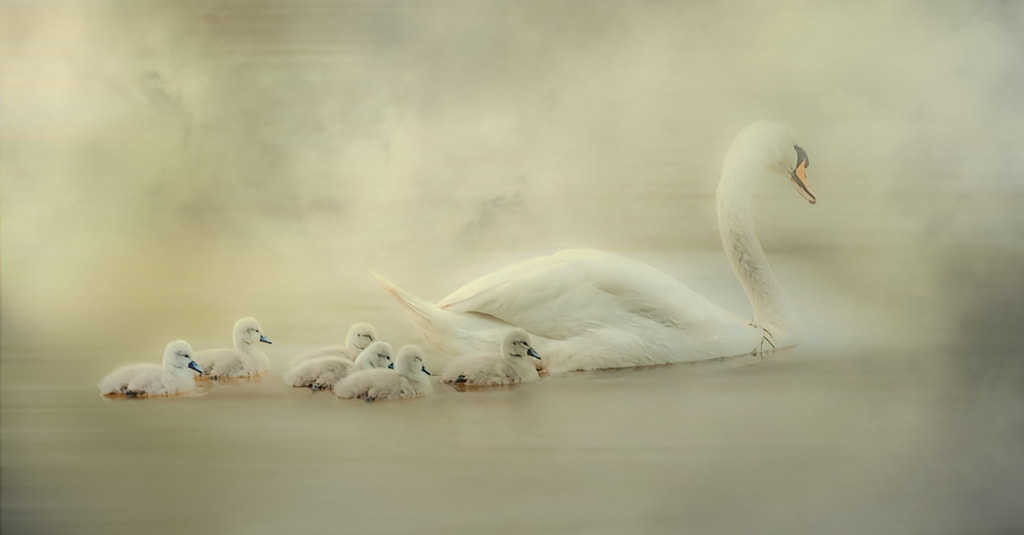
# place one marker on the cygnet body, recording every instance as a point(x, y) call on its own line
point(325, 372)
point(359, 337)
point(245, 360)
point(146, 380)
point(409, 379)
point(512, 365)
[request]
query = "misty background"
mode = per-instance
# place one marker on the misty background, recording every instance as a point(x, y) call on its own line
point(389, 134)
point(168, 167)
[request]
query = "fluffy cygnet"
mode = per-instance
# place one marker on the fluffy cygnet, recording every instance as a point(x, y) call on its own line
point(409, 379)
point(143, 380)
point(508, 367)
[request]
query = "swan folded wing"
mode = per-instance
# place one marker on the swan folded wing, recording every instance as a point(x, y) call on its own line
point(548, 299)
point(495, 282)
point(570, 292)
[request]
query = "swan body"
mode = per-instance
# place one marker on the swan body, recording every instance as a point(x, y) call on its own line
point(244, 360)
point(514, 364)
point(325, 372)
point(408, 379)
point(587, 309)
point(144, 380)
point(359, 336)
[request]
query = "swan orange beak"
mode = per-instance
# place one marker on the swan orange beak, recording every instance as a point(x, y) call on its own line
point(799, 179)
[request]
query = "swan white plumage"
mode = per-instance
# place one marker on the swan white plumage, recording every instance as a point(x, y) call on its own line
point(245, 360)
point(143, 380)
point(325, 372)
point(409, 379)
point(588, 309)
point(512, 365)
point(359, 336)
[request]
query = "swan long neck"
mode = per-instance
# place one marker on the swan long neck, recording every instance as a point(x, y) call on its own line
point(772, 309)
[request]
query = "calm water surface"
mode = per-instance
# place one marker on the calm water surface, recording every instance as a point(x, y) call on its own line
point(834, 436)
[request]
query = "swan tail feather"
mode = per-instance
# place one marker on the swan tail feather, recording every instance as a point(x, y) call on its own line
point(449, 333)
point(425, 312)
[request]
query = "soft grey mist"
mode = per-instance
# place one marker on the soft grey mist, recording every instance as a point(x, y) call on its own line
point(169, 167)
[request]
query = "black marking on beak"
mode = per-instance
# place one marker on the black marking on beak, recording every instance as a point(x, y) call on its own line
point(799, 178)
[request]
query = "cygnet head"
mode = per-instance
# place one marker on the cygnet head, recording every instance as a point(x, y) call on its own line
point(360, 335)
point(410, 361)
point(247, 332)
point(376, 355)
point(772, 147)
point(178, 357)
point(517, 344)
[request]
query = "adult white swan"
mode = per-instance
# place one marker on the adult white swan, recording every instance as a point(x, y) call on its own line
point(587, 309)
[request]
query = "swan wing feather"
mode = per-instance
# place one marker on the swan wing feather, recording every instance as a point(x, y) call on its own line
point(561, 295)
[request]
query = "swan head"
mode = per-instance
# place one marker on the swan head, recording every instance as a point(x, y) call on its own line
point(178, 356)
point(247, 332)
point(410, 362)
point(360, 335)
point(771, 147)
point(376, 355)
point(517, 344)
